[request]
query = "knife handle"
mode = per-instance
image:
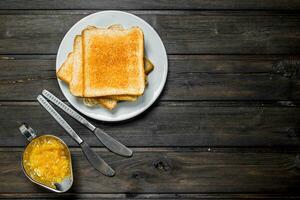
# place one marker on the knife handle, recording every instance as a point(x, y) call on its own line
point(59, 119)
point(68, 110)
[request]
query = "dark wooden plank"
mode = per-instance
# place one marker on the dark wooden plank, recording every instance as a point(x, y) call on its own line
point(148, 4)
point(170, 171)
point(188, 32)
point(190, 77)
point(170, 124)
point(183, 196)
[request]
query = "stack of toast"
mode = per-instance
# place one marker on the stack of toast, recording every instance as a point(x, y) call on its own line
point(107, 65)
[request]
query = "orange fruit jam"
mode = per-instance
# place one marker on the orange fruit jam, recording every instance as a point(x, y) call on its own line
point(46, 160)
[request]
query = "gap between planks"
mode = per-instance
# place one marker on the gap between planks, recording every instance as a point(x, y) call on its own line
point(198, 103)
point(226, 12)
point(150, 195)
point(184, 149)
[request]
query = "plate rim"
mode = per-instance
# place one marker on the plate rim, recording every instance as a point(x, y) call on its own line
point(137, 112)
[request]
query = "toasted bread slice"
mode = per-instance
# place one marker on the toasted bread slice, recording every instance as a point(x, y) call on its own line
point(107, 103)
point(116, 27)
point(65, 71)
point(148, 66)
point(113, 62)
point(116, 97)
point(76, 83)
point(90, 101)
point(65, 74)
point(120, 97)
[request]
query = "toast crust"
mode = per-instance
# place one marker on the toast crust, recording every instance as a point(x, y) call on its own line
point(65, 71)
point(76, 84)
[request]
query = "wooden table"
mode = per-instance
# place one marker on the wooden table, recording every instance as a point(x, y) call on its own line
point(226, 126)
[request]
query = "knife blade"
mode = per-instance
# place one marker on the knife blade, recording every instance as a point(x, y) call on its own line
point(111, 143)
point(95, 160)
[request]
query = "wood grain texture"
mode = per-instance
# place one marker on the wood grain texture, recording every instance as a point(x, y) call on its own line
point(183, 32)
point(148, 4)
point(227, 125)
point(191, 77)
point(183, 196)
point(170, 124)
point(169, 171)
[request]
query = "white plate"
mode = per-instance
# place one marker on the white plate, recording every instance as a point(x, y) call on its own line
point(154, 50)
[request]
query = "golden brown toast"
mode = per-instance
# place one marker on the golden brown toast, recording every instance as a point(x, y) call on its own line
point(148, 66)
point(113, 62)
point(76, 83)
point(79, 75)
point(64, 72)
point(118, 97)
point(109, 102)
point(105, 102)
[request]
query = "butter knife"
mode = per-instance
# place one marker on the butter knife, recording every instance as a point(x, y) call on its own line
point(112, 144)
point(95, 160)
